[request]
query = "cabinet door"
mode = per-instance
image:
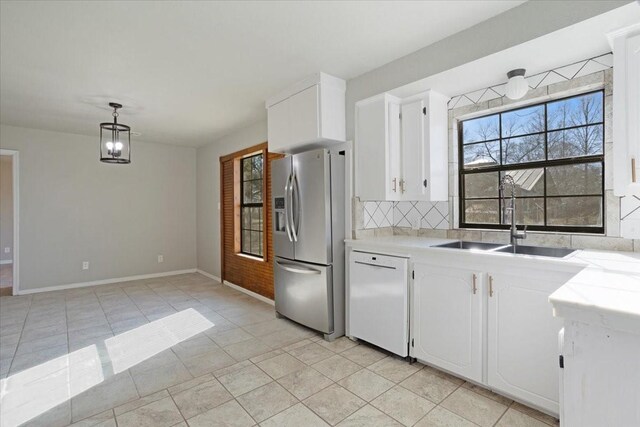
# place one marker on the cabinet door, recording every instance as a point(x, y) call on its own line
point(446, 313)
point(394, 154)
point(304, 117)
point(377, 149)
point(523, 335)
point(633, 104)
point(278, 126)
point(413, 151)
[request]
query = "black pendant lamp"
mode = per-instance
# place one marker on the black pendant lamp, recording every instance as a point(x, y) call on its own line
point(115, 140)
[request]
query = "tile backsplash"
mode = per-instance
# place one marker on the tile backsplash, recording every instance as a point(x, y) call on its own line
point(432, 215)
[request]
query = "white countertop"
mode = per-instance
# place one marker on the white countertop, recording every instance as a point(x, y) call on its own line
point(605, 291)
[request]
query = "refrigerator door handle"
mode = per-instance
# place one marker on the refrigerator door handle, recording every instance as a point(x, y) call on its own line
point(295, 268)
point(295, 219)
point(286, 208)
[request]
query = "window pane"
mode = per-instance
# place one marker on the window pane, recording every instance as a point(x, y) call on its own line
point(257, 167)
point(524, 149)
point(482, 154)
point(481, 129)
point(575, 211)
point(246, 241)
point(256, 219)
point(582, 141)
point(523, 121)
point(246, 218)
point(529, 211)
point(246, 188)
point(256, 236)
point(481, 184)
point(574, 179)
point(481, 211)
point(529, 182)
point(576, 111)
point(246, 168)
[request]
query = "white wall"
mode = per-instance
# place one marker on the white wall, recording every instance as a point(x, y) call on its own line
point(6, 208)
point(515, 26)
point(208, 193)
point(118, 217)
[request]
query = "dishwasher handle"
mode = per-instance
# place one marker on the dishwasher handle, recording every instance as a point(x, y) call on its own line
point(375, 265)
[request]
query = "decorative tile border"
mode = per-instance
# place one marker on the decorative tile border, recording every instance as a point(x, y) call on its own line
point(561, 74)
point(406, 214)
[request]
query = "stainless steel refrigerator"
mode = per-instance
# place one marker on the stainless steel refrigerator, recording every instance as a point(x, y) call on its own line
point(308, 239)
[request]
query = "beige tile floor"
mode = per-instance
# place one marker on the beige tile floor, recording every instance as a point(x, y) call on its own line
point(185, 350)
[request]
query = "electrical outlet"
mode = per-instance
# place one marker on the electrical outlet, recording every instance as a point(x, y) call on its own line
point(85, 265)
point(7, 250)
point(160, 258)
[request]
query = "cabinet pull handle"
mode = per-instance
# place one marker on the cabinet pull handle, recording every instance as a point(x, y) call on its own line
point(402, 182)
point(633, 171)
point(475, 288)
point(424, 183)
point(490, 286)
point(394, 184)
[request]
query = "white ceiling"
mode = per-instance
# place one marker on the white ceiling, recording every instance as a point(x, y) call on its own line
point(190, 72)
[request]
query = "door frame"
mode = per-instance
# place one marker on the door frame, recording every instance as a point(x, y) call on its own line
point(15, 161)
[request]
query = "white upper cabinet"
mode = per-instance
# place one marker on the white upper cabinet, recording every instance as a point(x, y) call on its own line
point(626, 110)
point(307, 113)
point(377, 160)
point(407, 139)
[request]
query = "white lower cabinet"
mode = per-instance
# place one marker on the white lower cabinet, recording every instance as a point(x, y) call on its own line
point(447, 322)
point(522, 346)
point(509, 316)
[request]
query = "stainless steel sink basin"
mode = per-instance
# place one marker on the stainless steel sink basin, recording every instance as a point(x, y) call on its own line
point(470, 245)
point(537, 250)
point(498, 247)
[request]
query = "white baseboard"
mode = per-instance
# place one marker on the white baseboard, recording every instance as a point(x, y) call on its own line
point(209, 275)
point(250, 293)
point(6, 261)
point(105, 281)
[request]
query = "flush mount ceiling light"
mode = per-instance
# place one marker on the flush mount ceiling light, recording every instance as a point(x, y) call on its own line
point(115, 140)
point(517, 86)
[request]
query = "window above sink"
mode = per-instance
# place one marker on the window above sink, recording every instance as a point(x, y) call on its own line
point(555, 153)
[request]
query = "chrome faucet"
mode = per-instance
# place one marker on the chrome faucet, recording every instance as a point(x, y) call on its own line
point(515, 235)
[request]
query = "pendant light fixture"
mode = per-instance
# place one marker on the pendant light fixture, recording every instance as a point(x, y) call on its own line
point(115, 140)
point(517, 86)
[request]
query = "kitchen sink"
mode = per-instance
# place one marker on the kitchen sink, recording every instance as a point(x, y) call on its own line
point(499, 247)
point(471, 245)
point(536, 250)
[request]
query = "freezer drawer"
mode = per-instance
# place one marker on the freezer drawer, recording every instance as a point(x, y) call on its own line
point(304, 293)
point(378, 301)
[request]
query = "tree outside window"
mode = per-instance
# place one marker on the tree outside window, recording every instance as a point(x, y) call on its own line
point(554, 152)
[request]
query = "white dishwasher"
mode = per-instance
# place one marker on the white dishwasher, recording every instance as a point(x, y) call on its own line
point(378, 301)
